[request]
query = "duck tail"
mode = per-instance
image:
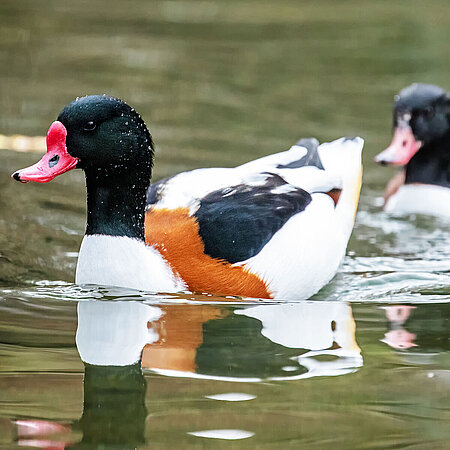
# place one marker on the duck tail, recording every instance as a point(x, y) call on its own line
point(343, 158)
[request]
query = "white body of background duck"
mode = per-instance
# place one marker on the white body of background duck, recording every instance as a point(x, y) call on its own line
point(276, 227)
point(421, 144)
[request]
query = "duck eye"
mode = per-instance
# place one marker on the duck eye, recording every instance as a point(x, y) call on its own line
point(90, 126)
point(429, 112)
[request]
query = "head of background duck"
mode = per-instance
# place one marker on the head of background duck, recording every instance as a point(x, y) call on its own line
point(421, 118)
point(108, 140)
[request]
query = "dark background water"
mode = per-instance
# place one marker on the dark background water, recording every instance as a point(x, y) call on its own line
point(220, 83)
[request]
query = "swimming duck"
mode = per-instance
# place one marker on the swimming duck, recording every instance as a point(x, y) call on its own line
point(421, 145)
point(276, 227)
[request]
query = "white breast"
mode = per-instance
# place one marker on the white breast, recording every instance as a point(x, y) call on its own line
point(420, 199)
point(124, 262)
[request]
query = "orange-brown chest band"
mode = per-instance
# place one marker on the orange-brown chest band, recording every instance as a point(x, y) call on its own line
point(175, 234)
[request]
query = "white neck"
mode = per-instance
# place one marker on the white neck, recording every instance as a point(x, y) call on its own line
point(124, 262)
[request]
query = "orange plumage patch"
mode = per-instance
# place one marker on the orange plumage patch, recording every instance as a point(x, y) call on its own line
point(180, 331)
point(175, 235)
point(335, 194)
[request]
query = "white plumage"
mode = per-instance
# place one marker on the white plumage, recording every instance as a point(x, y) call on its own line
point(420, 199)
point(305, 253)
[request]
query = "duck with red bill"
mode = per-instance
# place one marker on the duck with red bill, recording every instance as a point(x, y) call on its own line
point(201, 232)
point(420, 144)
point(55, 161)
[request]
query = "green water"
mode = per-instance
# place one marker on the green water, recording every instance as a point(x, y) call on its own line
point(364, 365)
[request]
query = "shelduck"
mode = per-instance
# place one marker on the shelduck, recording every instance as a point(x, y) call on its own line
point(421, 146)
point(174, 339)
point(276, 227)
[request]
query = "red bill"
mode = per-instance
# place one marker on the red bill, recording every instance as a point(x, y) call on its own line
point(403, 147)
point(55, 162)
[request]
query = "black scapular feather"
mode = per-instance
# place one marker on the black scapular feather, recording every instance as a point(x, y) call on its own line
point(236, 222)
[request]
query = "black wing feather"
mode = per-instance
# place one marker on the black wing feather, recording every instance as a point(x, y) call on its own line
point(235, 223)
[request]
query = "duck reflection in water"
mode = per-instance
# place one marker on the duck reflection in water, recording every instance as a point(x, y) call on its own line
point(420, 334)
point(398, 337)
point(119, 340)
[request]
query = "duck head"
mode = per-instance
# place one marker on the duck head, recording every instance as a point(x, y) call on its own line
point(108, 140)
point(94, 133)
point(421, 116)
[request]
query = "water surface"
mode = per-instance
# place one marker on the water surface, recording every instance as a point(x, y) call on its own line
point(364, 364)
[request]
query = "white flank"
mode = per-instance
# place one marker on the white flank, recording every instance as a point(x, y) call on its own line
point(124, 262)
point(420, 199)
point(304, 254)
